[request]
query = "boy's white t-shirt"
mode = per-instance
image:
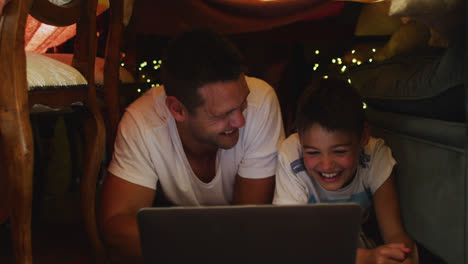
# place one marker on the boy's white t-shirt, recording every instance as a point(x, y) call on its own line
point(148, 148)
point(295, 186)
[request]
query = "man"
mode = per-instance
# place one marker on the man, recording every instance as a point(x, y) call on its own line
point(209, 137)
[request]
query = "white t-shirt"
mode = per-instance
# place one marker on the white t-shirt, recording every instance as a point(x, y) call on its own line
point(295, 186)
point(148, 148)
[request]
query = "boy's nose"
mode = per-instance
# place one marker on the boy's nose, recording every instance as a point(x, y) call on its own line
point(327, 163)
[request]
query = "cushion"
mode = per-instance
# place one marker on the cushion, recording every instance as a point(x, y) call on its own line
point(45, 73)
point(374, 20)
point(421, 7)
point(409, 36)
point(124, 75)
point(442, 16)
point(428, 83)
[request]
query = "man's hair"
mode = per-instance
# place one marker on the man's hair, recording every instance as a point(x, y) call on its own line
point(196, 58)
point(333, 104)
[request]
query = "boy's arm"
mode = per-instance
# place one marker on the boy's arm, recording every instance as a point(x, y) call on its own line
point(387, 209)
point(398, 247)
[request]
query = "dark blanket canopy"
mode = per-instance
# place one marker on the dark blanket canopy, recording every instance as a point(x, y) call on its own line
point(162, 17)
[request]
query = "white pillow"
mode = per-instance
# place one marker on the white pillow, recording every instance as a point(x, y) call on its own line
point(124, 75)
point(60, 2)
point(44, 72)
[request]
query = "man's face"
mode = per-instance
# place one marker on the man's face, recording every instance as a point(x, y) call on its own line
point(218, 120)
point(330, 157)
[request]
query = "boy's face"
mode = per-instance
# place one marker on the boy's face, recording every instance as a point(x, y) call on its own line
point(331, 157)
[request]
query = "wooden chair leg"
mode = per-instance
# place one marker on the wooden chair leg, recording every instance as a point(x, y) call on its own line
point(16, 138)
point(94, 132)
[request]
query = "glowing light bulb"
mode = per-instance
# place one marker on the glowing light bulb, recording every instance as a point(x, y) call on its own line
point(353, 51)
point(364, 105)
point(325, 76)
point(317, 51)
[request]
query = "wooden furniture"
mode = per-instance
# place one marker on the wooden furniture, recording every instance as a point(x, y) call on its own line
point(109, 75)
point(113, 111)
point(17, 98)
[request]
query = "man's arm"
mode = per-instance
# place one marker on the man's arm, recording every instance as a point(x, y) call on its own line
point(120, 201)
point(254, 191)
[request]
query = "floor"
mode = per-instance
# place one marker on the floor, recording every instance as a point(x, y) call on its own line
point(58, 235)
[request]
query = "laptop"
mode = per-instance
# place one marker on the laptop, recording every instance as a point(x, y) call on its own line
point(319, 233)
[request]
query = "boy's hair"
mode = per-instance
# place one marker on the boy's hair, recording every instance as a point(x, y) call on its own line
point(333, 104)
point(195, 58)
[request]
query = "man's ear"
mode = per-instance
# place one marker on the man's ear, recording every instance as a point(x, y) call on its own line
point(177, 109)
point(365, 134)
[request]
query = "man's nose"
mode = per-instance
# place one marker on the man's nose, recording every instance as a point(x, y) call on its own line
point(238, 119)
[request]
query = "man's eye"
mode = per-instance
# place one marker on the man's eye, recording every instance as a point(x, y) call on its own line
point(312, 153)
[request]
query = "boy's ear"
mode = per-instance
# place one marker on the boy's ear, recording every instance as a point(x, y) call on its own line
point(177, 109)
point(365, 134)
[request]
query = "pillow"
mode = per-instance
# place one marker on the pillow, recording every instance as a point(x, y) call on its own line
point(409, 36)
point(426, 83)
point(444, 17)
point(421, 7)
point(46, 73)
point(124, 75)
point(374, 20)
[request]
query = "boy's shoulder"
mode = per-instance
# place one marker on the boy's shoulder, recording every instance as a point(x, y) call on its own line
point(291, 147)
point(375, 144)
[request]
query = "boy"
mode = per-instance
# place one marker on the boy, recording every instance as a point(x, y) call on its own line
point(332, 158)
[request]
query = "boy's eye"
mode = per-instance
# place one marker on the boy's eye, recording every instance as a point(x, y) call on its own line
point(312, 153)
point(340, 151)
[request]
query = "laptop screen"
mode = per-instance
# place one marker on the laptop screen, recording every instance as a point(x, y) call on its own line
point(324, 233)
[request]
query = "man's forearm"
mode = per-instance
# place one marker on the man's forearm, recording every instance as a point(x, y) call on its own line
point(121, 237)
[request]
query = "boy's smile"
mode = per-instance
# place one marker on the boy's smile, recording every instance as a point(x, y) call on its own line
point(330, 157)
